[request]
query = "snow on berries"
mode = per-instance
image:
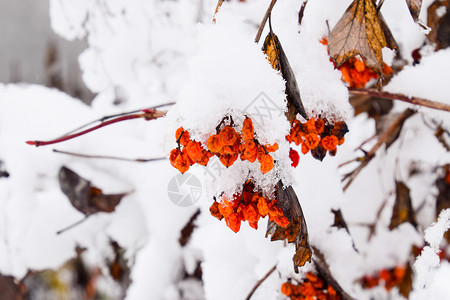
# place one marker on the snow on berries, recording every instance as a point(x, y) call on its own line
point(227, 144)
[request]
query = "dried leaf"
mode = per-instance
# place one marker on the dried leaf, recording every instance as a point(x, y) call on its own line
point(11, 289)
point(339, 221)
point(414, 8)
point(85, 197)
point(272, 50)
point(278, 60)
point(373, 106)
point(3, 172)
point(118, 267)
point(187, 230)
point(297, 231)
point(402, 211)
point(361, 31)
point(436, 21)
point(319, 152)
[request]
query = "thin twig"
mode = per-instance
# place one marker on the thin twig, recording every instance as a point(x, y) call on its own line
point(401, 97)
point(381, 140)
point(219, 4)
point(264, 21)
point(104, 118)
point(324, 272)
point(260, 282)
point(74, 224)
point(109, 157)
point(146, 114)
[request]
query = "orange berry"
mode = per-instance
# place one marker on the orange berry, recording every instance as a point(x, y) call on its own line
point(311, 140)
point(286, 289)
point(329, 142)
point(247, 129)
point(173, 156)
point(215, 212)
point(226, 208)
point(253, 225)
point(195, 151)
point(234, 222)
point(250, 213)
point(305, 148)
point(310, 126)
point(184, 136)
point(228, 159)
point(248, 151)
point(271, 148)
point(214, 144)
point(228, 136)
point(359, 66)
point(263, 209)
point(266, 162)
point(182, 163)
point(319, 125)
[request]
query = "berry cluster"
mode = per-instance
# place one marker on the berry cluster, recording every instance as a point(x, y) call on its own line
point(227, 144)
point(390, 278)
point(247, 206)
point(312, 287)
point(317, 135)
point(355, 72)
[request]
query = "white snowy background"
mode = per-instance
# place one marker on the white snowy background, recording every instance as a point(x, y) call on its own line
point(146, 53)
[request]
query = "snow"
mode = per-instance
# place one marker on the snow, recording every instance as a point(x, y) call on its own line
point(146, 53)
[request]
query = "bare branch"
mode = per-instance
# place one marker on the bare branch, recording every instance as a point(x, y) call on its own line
point(401, 97)
point(264, 20)
point(147, 114)
point(110, 157)
point(219, 4)
point(381, 140)
point(260, 282)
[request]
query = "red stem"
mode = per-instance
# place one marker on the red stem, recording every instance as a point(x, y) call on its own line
point(71, 136)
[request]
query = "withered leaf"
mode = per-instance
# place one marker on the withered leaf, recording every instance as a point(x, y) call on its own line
point(11, 289)
point(319, 152)
point(279, 61)
point(435, 19)
point(414, 8)
point(118, 267)
point(373, 106)
point(297, 231)
point(402, 211)
point(85, 197)
point(3, 172)
point(339, 221)
point(361, 31)
point(188, 229)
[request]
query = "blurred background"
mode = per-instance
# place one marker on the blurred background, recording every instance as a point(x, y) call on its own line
point(31, 52)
